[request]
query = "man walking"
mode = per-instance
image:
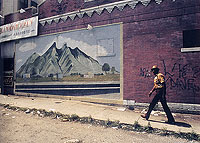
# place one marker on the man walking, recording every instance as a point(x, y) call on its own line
point(160, 88)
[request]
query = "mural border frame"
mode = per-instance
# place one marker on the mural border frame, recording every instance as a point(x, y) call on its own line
point(85, 99)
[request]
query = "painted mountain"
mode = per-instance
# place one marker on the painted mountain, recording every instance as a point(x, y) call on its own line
point(63, 61)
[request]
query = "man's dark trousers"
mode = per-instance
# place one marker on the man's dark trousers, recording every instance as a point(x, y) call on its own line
point(160, 96)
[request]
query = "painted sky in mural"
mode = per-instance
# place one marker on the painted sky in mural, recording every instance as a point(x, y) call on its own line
point(101, 43)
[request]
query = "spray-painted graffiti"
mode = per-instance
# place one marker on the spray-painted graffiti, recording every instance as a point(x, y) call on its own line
point(182, 76)
point(145, 72)
point(179, 76)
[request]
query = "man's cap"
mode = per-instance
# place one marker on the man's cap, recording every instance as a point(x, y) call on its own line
point(155, 67)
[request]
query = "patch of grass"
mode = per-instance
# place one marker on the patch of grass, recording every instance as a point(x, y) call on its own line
point(74, 117)
point(89, 119)
point(74, 78)
point(148, 128)
point(189, 136)
point(137, 126)
point(108, 122)
point(116, 123)
point(107, 77)
point(39, 79)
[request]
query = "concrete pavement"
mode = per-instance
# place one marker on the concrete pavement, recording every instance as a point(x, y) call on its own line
point(185, 122)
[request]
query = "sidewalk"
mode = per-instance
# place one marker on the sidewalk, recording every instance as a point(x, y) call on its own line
point(105, 112)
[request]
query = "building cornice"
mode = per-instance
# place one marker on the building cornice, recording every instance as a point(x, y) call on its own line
point(98, 9)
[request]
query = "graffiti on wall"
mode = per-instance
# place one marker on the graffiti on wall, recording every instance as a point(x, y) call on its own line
point(180, 76)
point(145, 72)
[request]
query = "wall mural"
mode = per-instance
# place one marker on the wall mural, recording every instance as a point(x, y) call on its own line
point(81, 55)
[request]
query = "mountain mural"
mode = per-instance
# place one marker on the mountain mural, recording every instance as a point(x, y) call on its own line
point(63, 61)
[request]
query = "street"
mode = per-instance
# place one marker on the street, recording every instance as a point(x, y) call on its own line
point(18, 127)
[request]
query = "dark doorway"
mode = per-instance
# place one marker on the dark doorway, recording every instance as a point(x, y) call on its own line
point(8, 76)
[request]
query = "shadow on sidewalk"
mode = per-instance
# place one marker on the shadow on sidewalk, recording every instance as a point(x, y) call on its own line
point(180, 124)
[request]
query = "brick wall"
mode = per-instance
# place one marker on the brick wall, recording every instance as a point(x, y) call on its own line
point(151, 35)
point(157, 38)
point(53, 7)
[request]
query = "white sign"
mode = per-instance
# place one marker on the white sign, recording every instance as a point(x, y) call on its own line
point(20, 29)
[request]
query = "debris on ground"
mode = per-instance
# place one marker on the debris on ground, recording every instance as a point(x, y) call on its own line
point(27, 111)
point(121, 109)
point(53, 110)
point(73, 141)
point(57, 102)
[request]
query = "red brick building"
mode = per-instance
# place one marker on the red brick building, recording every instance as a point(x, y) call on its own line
point(161, 32)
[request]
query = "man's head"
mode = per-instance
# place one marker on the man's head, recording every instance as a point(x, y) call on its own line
point(155, 69)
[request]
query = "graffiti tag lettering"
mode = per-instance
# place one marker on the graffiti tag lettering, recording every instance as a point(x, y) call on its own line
point(144, 72)
point(179, 76)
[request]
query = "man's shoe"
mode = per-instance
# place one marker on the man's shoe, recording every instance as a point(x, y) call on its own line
point(144, 116)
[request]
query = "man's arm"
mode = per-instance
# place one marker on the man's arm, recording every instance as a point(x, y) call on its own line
point(153, 89)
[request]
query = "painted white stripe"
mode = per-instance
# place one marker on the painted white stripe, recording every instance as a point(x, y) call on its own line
point(65, 88)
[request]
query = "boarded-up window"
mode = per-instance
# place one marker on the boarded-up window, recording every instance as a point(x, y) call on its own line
point(191, 38)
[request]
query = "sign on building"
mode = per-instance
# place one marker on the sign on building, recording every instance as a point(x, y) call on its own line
point(20, 29)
